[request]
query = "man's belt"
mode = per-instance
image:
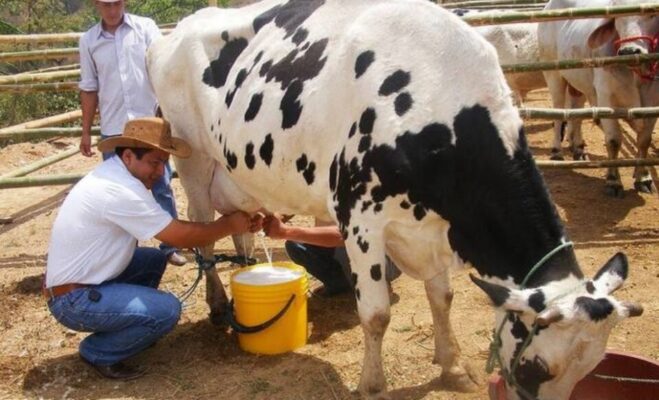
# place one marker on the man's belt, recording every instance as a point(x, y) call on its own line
point(52, 292)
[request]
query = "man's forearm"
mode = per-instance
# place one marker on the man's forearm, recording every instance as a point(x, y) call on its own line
point(324, 236)
point(88, 105)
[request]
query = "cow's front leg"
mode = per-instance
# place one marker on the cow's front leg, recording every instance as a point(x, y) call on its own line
point(455, 374)
point(367, 260)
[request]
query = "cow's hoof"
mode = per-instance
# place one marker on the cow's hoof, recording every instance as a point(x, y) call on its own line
point(556, 155)
point(372, 395)
point(580, 156)
point(643, 186)
point(459, 381)
point(615, 190)
point(217, 318)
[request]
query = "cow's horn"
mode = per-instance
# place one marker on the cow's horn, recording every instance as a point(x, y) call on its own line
point(549, 316)
point(634, 309)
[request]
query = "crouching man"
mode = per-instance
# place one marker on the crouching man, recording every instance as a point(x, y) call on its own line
point(97, 279)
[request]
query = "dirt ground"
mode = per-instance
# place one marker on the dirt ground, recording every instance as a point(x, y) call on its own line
point(38, 357)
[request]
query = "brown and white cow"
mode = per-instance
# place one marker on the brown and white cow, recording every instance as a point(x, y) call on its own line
point(393, 119)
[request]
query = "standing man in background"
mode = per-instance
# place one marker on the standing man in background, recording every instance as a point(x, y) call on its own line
point(113, 79)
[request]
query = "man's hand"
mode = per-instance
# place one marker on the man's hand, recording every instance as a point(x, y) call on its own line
point(86, 145)
point(274, 227)
point(256, 223)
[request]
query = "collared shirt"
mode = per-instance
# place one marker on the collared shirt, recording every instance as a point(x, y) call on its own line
point(97, 227)
point(114, 65)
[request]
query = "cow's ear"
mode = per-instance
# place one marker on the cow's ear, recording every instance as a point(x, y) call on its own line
point(509, 299)
point(612, 275)
point(604, 33)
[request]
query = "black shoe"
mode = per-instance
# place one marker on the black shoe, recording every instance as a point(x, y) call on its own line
point(119, 371)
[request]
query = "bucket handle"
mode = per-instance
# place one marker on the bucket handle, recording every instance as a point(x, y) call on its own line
point(240, 328)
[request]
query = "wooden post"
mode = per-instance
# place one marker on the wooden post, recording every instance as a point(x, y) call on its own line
point(40, 87)
point(41, 77)
point(24, 135)
point(212, 3)
point(48, 121)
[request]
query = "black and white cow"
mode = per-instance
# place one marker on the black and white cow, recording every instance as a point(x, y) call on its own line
point(392, 118)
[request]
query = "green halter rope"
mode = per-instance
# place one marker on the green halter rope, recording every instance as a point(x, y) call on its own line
point(495, 346)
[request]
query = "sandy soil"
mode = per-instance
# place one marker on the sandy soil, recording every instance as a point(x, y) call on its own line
point(38, 357)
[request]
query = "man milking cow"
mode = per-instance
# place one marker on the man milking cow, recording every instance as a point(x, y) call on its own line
point(98, 279)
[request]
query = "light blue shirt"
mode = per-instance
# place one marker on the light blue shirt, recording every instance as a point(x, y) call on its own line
point(114, 65)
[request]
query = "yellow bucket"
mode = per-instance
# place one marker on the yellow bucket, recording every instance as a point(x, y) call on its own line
point(270, 306)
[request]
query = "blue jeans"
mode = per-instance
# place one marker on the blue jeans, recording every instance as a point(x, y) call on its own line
point(126, 314)
point(330, 265)
point(162, 192)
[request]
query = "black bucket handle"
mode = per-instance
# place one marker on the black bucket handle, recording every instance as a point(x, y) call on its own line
point(240, 328)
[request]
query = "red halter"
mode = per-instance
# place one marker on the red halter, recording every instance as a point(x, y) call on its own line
point(653, 47)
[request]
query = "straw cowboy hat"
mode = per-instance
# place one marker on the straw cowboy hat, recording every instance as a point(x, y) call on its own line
point(150, 132)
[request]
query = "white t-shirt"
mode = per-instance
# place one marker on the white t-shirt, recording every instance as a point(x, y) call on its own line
point(97, 228)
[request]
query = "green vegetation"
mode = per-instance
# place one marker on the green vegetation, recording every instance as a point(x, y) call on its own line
point(58, 16)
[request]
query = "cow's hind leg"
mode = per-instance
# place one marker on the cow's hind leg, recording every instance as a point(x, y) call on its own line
point(367, 261)
point(455, 375)
point(558, 90)
point(642, 177)
point(196, 175)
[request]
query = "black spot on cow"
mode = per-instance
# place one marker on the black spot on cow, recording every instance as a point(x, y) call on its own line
point(364, 143)
point(288, 16)
point(353, 129)
point(590, 287)
point(228, 99)
point(403, 103)
point(377, 208)
point(290, 105)
point(301, 163)
point(332, 174)
point(364, 60)
point(405, 205)
point(363, 245)
point(537, 301)
point(212, 128)
point(394, 83)
point(254, 107)
point(257, 59)
point(219, 122)
point(309, 173)
point(305, 47)
point(350, 187)
point(419, 212)
point(292, 71)
point(597, 309)
point(231, 158)
point(357, 294)
point(530, 374)
point(355, 230)
point(367, 121)
point(218, 71)
point(266, 149)
point(353, 279)
point(219, 138)
point(376, 272)
point(265, 67)
point(366, 205)
point(225, 36)
point(250, 160)
point(300, 36)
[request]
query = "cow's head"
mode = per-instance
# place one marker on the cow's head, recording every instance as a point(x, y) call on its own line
point(636, 34)
point(558, 332)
